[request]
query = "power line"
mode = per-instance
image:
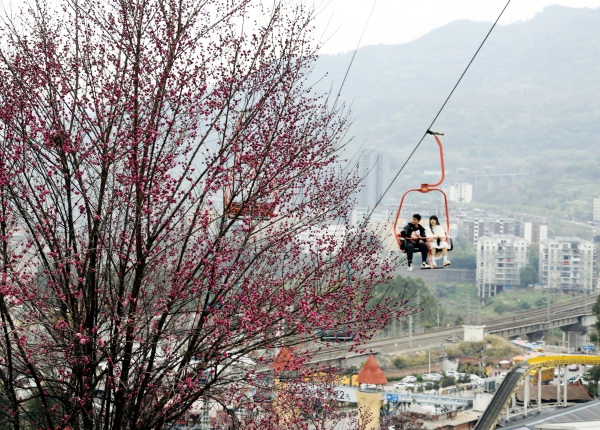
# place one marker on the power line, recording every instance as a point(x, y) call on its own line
point(355, 50)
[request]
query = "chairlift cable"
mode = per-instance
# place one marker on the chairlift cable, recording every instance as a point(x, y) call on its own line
point(440, 110)
point(354, 53)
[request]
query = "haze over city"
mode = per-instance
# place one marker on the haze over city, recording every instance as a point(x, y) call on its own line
point(389, 22)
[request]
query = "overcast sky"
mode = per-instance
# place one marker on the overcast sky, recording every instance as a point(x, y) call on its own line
point(399, 21)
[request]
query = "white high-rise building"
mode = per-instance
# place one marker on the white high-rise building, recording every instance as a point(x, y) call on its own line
point(596, 210)
point(373, 166)
point(567, 264)
point(499, 261)
point(535, 231)
point(461, 192)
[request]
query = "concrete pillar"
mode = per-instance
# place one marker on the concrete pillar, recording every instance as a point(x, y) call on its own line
point(526, 394)
point(565, 381)
point(536, 336)
point(539, 393)
point(558, 387)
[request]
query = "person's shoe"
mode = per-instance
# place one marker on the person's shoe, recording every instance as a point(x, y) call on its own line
point(447, 263)
point(433, 264)
point(424, 264)
point(410, 266)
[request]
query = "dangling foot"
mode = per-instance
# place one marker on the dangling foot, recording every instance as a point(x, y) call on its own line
point(446, 262)
point(410, 266)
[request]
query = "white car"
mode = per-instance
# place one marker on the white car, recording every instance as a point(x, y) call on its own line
point(435, 377)
point(454, 374)
point(404, 385)
point(409, 378)
point(474, 378)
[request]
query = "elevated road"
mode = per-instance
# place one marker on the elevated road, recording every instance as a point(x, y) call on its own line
point(568, 314)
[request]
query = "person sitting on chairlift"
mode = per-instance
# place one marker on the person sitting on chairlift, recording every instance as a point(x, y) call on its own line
point(437, 241)
point(414, 238)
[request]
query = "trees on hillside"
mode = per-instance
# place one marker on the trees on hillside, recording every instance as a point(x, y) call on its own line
point(166, 179)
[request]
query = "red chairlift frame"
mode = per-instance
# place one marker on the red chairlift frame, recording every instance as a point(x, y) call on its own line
point(426, 188)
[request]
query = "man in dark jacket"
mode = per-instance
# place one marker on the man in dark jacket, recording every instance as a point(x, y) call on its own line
point(414, 238)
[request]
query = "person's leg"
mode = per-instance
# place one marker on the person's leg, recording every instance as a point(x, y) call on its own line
point(445, 260)
point(410, 249)
point(434, 255)
point(424, 251)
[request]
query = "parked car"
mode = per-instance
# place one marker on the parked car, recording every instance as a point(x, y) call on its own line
point(474, 378)
point(404, 385)
point(574, 367)
point(409, 378)
point(435, 377)
point(454, 374)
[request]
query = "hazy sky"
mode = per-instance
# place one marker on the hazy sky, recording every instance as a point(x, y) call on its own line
point(398, 21)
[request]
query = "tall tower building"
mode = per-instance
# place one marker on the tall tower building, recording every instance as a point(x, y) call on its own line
point(535, 231)
point(461, 192)
point(373, 167)
point(567, 264)
point(596, 210)
point(499, 261)
point(473, 229)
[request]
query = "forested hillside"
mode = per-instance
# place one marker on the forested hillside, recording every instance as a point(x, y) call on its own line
point(529, 103)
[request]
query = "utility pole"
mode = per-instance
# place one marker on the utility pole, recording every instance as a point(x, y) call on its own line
point(420, 307)
point(410, 331)
point(429, 367)
point(468, 320)
point(481, 367)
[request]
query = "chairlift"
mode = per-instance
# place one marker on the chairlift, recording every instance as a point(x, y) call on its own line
point(426, 188)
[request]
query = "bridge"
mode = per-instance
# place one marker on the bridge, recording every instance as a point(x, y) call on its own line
point(574, 316)
point(570, 317)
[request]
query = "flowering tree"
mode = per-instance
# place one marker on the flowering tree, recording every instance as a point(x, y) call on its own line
point(166, 177)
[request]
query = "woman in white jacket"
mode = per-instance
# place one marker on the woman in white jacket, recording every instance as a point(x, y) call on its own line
point(437, 241)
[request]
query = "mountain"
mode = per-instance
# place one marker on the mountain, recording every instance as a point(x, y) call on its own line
point(529, 102)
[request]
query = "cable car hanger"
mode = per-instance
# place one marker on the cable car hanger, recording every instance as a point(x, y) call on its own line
point(426, 188)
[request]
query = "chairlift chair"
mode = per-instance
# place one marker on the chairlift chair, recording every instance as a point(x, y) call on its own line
point(426, 188)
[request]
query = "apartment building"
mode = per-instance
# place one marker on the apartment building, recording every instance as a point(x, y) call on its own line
point(461, 192)
point(596, 210)
point(535, 231)
point(374, 168)
point(500, 258)
point(475, 228)
point(567, 264)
